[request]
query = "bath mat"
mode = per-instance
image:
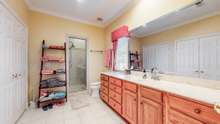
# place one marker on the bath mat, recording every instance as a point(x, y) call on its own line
point(79, 102)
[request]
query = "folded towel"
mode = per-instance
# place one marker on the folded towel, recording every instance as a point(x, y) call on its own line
point(52, 58)
point(47, 71)
point(52, 82)
point(56, 47)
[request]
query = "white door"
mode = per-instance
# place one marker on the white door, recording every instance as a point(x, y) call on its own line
point(208, 57)
point(187, 57)
point(13, 65)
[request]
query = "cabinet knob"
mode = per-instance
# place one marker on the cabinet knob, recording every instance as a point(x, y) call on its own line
point(197, 111)
point(142, 103)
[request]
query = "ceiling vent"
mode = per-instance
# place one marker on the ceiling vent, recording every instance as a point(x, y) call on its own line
point(100, 19)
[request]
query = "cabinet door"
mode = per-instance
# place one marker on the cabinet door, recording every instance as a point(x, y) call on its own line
point(179, 118)
point(13, 65)
point(208, 57)
point(130, 106)
point(187, 57)
point(150, 112)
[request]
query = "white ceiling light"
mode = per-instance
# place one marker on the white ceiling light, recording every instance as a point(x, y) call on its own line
point(79, 1)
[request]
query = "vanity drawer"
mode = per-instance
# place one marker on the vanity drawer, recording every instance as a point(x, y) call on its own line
point(115, 88)
point(104, 97)
point(104, 77)
point(115, 105)
point(104, 83)
point(115, 81)
point(194, 109)
point(115, 96)
point(104, 90)
point(130, 86)
point(151, 94)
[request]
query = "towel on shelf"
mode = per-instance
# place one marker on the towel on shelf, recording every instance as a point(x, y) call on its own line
point(56, 47)
point(52, 58)
point(47, 71)
point(52, 82)
point(108, 58)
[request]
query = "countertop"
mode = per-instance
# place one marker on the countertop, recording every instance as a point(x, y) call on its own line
point(203, 94)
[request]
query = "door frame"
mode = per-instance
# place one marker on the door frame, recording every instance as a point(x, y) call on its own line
point(67, 58)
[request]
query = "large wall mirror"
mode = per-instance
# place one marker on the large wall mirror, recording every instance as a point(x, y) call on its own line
point(174, 51)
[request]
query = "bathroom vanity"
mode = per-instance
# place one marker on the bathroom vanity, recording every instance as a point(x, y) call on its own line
point(146, 101)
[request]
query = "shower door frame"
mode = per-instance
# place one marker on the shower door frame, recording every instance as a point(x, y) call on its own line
point(68, 54)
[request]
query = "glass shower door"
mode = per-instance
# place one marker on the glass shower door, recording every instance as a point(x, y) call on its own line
point(77, 64)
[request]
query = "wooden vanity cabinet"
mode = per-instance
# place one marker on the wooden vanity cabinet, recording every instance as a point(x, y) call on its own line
point(104, 88)
point(181, 110)
point(139, 104)
point(130, 103)
point(115, 94)
point(150, 106)
point(175, 117)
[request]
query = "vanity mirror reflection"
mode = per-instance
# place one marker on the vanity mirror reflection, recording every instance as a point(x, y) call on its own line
point(185, 42)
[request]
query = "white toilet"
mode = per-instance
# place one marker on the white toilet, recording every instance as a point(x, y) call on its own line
point(94, 89)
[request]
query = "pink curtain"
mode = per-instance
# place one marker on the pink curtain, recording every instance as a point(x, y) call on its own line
point(117, 34)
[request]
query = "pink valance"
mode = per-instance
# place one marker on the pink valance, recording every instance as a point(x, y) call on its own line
point(120, 32)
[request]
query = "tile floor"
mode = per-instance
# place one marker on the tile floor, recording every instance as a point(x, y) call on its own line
point(96, 112)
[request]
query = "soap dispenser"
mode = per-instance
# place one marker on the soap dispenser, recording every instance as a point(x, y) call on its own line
point(145, 74)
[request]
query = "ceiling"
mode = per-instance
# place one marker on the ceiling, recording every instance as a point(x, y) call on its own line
point(85, 11)
point(178, 18)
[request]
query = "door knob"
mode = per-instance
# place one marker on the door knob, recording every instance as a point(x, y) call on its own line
point(14, 76)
